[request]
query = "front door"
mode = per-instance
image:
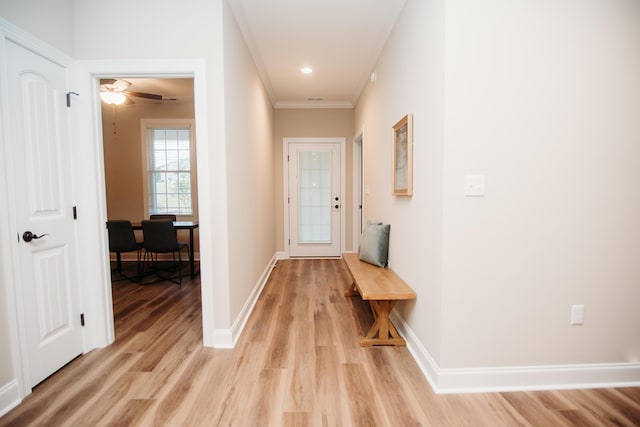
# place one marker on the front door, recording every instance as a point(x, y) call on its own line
point(40, 155)
point(315, 200)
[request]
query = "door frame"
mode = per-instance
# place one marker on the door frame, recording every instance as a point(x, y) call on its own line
point(358, 188)
point(91, 72)
point(285, 177)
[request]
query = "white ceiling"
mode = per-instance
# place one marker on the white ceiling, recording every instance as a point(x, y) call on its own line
point(340, 39)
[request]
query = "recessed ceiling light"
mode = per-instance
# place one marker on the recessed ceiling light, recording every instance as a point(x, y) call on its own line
point(306, 70)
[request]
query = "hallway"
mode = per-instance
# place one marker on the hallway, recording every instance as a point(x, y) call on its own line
point(298, 362)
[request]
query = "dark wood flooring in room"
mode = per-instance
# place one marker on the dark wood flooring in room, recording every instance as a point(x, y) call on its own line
point(298, 363)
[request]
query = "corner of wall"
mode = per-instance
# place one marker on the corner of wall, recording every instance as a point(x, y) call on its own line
point(227, 338)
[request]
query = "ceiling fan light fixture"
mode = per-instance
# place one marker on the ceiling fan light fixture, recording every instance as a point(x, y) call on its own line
point(114, 98)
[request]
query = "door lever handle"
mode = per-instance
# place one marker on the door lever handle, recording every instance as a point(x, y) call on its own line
point(28, 236)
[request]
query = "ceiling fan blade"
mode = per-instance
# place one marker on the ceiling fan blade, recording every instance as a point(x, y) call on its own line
point(145, 95)
point(114, 85)
point(121, 85)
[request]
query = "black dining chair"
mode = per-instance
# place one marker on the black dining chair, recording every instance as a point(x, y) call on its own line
point(160, 238)
point(123, 239)
point(172, 217)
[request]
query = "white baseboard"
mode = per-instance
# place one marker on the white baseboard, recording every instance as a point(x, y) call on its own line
point(227, 338)
point(223, 338)
point(281, 255)
point(9, 397)
point(519, 378)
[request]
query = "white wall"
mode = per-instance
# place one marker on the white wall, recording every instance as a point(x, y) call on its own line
point(417, 87)
point(147, 29)
point(49, 20)
point(543, 99)
point(249, 124)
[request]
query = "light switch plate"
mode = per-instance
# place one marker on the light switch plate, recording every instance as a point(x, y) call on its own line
point(577, 314)
point(474, 185)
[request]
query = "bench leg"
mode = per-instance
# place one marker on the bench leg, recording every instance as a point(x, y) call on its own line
point(382, 327)
point(353, 291)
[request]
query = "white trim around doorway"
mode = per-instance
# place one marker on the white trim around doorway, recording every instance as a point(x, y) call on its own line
point(88, 74)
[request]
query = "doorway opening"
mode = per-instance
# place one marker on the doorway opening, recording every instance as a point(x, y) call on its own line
point(145, 174)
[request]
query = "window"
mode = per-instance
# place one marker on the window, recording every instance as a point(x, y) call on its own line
point(169, 181)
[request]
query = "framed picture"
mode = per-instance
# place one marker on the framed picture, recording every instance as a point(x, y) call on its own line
point(403, 157)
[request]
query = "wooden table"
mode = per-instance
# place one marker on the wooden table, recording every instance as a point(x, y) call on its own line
point(181, 225)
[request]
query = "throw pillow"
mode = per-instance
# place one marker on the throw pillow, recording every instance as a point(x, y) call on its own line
point(374, 243)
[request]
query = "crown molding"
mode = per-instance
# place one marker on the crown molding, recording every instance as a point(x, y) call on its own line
point(282, 105)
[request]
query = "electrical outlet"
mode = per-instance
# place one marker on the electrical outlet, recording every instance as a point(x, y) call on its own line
point(474, 185)
point(577, 314)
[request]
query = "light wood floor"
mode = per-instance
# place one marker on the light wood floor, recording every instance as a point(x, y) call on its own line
point(298, 363)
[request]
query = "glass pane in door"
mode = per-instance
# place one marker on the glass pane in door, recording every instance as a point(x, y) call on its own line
point(314, 185)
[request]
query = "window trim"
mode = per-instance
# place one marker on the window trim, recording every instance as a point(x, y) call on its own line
point(146, 124)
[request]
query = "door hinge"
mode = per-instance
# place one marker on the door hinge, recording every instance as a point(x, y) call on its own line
point(81, 319)
point(287, 157)
point(75, 212)
point(69, 97)
point(289, 242)
point(288, 200)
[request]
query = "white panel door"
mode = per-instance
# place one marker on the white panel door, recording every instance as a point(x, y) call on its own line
point(41, 163)
point(315, 200)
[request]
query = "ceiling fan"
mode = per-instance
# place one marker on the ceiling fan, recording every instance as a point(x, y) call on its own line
point(114, 91)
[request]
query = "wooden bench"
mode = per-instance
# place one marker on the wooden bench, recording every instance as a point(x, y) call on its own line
point(383, 289)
